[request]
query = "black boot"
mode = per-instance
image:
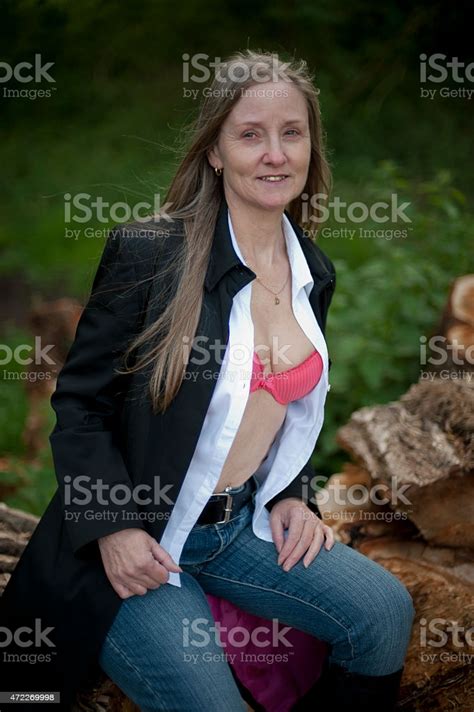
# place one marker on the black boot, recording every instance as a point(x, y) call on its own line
point(341, 690)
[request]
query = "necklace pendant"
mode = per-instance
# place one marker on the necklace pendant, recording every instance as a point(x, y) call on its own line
point(277, 301)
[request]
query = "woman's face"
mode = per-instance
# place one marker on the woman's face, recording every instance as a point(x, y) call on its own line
point(266, 136)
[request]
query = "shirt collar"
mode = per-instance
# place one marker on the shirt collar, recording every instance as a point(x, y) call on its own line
point(308, 265)
point(301, 275)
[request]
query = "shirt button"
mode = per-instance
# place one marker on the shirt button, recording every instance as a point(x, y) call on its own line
point(329, 387)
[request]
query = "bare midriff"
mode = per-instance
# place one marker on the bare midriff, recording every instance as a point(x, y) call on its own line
point(263, 415)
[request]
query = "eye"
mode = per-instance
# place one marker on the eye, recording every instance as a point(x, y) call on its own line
point(246, 134)
point(295, 131)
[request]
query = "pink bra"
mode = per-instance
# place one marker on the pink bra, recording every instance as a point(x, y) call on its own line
point(291, 384)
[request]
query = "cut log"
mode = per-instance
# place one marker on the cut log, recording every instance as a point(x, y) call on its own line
point(455, 562)
point(438, 673)
point(455, 343)
point(16, 522)
point(461, 301)
point(425, 442)
point(346, 505)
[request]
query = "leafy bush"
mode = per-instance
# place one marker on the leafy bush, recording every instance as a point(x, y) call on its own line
point(389, 294)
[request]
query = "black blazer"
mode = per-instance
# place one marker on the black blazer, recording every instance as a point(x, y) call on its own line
point(107, 434)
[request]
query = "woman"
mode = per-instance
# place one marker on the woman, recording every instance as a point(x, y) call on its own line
point(191, 465)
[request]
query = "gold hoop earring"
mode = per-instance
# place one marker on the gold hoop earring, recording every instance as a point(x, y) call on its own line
point(218, 171)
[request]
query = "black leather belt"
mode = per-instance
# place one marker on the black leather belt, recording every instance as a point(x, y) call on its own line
point(222, 507)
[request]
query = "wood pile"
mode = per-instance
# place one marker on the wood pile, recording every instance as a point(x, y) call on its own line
point(407, 501)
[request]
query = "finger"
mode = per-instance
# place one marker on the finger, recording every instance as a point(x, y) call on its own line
point(276, 525)
point(164, 558)
point(330, 541)
point(148, 573)
point(295, 530)
point(152, 572)
point(135, 587)
point(158, 573)
point(132, 579)
point(315, 547)
point(122, 590)
point(152, 579)
point(302, 546)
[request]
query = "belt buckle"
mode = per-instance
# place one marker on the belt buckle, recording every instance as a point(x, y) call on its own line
point(227, 508)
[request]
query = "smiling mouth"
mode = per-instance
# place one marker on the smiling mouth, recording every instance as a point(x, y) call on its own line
point(277, 178)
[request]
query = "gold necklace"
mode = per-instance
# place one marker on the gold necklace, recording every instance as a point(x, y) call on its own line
point(277, 301)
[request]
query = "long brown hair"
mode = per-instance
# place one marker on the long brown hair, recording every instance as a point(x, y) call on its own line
point(195, 195)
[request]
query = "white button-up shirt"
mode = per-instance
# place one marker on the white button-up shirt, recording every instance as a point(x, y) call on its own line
point(295, 441)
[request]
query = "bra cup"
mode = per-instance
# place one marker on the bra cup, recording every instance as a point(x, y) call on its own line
point(289, 381)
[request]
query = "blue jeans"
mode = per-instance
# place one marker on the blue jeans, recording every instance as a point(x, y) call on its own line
point(344, 598)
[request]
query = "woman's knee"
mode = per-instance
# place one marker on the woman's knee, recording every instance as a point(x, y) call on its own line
point(401, 602)
point(376, 595)
point(390, 615)
point(376, 611)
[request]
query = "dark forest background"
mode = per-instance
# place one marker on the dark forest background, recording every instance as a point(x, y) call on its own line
point(111, 127)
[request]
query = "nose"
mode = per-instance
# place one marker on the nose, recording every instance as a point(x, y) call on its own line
point(274, 152)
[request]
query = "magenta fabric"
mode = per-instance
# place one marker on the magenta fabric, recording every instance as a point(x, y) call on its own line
point(276, 676)
point(289, 385)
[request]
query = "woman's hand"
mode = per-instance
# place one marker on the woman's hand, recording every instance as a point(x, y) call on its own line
point(134, 562)
point(306, 532)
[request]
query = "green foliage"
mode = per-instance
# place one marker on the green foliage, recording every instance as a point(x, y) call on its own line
point(13, 403)
point(34, 484)
point(29, 485)
point(389, 294)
